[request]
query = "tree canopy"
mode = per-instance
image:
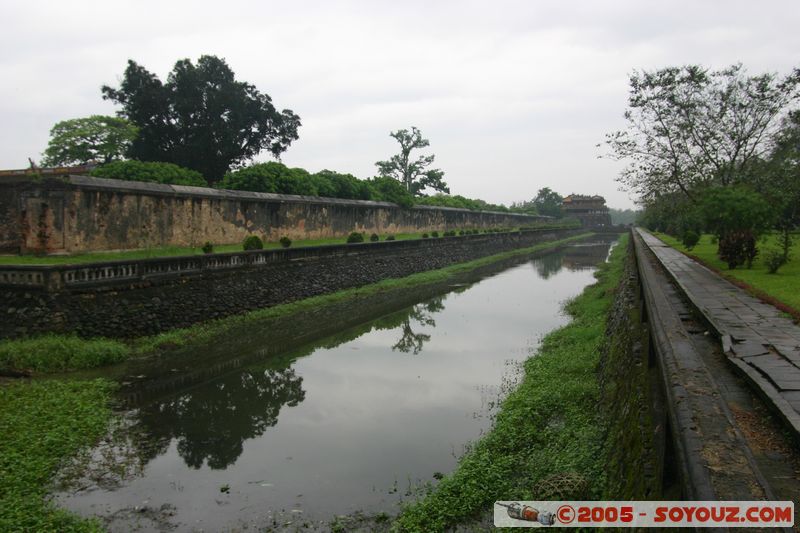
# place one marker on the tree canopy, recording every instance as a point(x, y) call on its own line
point(96, 138)
point(201, 118)
point(690, 128)
point(150, 171)
point(413, 174)
point(548, 203)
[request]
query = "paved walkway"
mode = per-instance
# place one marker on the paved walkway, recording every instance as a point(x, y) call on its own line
point(761, 342)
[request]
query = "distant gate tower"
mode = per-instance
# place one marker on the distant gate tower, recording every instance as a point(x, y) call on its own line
point(590, 210)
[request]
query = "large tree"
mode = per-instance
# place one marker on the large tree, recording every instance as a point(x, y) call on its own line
point(778, 179)
point(97, 139)
point(690, 128)
point(548, 203)
point(413, 174)
point(202, 117)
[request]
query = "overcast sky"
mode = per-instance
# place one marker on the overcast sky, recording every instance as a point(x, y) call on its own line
point(513, 96)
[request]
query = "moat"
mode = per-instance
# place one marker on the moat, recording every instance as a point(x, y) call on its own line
point(279, 426)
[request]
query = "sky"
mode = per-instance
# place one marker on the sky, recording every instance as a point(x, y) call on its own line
point(513, 95)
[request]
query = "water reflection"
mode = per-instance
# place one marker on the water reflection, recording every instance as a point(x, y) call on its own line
point(328, 412)
point(580, 256)
point(210, 424)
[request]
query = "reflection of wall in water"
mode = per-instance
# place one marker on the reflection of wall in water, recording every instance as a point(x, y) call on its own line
point(585, 256)
point(573, 257)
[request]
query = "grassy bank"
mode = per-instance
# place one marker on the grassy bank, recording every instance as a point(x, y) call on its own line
point(42, 425)
point(547, 431)
point(173, 251)
point(782, 287)
point(59, 352)
point(167, 251)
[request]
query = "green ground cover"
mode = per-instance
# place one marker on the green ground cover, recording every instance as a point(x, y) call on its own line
point(174, 251)
point(54, 353)
point(43, 424)
point(784, 286)
point(548, 426)
point(166, 251)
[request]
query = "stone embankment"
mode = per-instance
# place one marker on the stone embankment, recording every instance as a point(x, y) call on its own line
point(685, 420)
point(132, 298)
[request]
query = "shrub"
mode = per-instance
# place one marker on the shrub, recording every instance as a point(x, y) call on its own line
point(774, 259)
point(150, 171)
point(461, 232)
point(390, 237)
point(285, 241)
point(207, 247)
point(738, 248)
point(355, 237)
point(435, 234)
point(424, 235)
point(374, 237)
point(253, 242)
point(690, 238)
point(450, 233)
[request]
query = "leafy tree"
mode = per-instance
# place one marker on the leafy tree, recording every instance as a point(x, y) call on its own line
point(460, 202)
point(548, 203)
point(92, 139)
point(414, 175)
point(150, 171)
point(690, 128)
point(778, 179)
point(270, 177)
point(201, 118)
point(344, 185)
point(391, 190)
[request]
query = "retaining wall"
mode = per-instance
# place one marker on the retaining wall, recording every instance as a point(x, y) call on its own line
point(79, 214)
point(131, 298)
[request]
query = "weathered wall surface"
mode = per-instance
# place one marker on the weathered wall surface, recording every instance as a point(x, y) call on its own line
point(631, 399)
point(124, 299)
point(79, 213)
point(10, 223)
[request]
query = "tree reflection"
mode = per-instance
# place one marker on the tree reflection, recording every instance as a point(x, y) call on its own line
point(549, 264)
point(411, 341)
point(211, 423)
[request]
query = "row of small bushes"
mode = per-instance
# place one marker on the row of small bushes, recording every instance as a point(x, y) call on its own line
point(254, 242)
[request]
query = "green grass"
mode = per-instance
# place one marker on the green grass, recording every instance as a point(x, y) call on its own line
point(166, 251)
point(784, 286)
point(548, 426)
point(52, 353)
point(44, 424)
point(59, 353)
point(173, 251)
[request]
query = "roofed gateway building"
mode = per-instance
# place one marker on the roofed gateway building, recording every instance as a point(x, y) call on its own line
point(590, 210)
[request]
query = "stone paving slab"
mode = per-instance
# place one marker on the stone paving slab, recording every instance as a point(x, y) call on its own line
point(757, 338)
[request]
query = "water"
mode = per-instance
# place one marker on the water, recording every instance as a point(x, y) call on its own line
point(277, 425)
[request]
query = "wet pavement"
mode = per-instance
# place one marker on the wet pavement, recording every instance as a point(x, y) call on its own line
point(757, 338)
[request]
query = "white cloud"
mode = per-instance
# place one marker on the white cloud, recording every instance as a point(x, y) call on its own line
point(513, 95)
